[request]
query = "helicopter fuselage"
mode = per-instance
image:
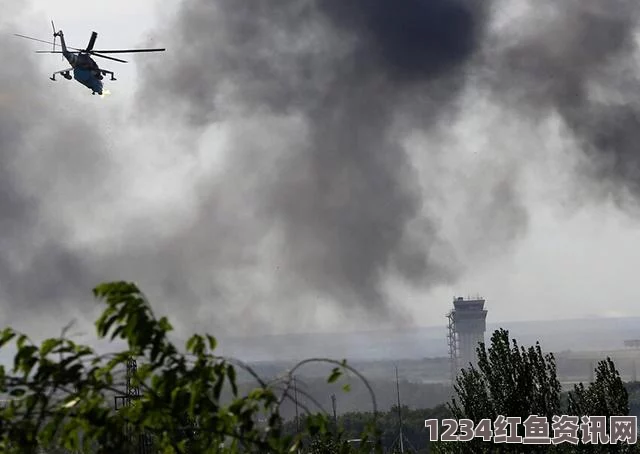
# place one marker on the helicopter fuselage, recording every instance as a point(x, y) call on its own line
point(85, 71)
point(89, 79)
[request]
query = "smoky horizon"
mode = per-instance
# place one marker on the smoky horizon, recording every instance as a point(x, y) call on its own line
point(325, 165)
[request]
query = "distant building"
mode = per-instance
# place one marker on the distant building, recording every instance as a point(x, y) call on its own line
point(467, 325)
point(632, 343)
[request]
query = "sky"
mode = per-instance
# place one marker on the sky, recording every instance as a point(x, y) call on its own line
point(323, 167)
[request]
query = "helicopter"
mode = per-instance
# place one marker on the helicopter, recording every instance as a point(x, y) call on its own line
point(85, 69)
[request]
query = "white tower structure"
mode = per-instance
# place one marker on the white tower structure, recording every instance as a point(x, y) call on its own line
point(467, 325)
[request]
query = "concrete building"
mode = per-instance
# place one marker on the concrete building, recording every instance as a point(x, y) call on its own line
point(632, 343)
point(467, 325)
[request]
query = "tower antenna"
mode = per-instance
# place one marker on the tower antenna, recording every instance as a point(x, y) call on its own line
point(131, 394)
point(401, 438)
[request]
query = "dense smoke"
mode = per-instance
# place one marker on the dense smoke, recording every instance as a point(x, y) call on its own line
point(344, 195)
point(50, 160)
point(317, 200)
point(577, 59)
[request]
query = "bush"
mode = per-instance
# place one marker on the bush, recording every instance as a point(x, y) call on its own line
point(61, 392)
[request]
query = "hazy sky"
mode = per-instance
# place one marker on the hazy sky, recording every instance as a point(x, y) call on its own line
point(310, 168)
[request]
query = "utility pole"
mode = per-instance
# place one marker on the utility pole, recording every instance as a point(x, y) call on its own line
point(335, 415)
point(401, 436)
point(295, 398)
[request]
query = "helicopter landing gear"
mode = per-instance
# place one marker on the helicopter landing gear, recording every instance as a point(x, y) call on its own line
point(105, 72)
point(63, 72)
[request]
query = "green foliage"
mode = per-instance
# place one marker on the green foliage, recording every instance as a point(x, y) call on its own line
point(606, 396)
point(513, 381)
point(61, 392)
point(352, 424)
point(510, 380)
point(329, 444)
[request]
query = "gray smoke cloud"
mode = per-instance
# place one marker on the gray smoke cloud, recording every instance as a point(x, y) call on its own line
point(317, 200)
point(42, 149)
point(358, 74)
point(577, 59)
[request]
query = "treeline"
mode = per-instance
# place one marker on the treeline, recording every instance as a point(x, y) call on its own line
point(59, 390)
point(416, 437)
point(509, 381)
point(351, 425)
point(318, 391)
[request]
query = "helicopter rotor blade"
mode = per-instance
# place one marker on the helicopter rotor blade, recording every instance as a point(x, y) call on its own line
point(107, 57)
point(91, 52)
point(43, 41)
point(33, 39)
point(92, 41)
point(127, 51)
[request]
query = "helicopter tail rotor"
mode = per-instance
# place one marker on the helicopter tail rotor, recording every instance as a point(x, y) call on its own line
point(55, 35)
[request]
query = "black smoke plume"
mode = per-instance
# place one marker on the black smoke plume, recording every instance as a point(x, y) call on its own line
point(344, 196)
point(50, 160)
point(318, 197)
point(577, 59)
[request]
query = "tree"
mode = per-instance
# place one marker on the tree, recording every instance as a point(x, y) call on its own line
point(512, 381)
point(606, 396)
point(62, 391)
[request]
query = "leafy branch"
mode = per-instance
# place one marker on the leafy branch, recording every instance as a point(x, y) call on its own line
point(60, 390)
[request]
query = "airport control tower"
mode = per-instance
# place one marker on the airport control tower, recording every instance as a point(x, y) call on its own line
point(467, 324)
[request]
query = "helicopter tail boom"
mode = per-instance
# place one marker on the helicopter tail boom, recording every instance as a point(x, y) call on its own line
point(71, 58)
